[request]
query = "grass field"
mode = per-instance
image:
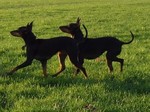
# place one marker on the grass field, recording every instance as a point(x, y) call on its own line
point(28, 91)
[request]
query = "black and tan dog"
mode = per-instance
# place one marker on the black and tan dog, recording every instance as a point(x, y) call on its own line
point(91, 48)
point(44, 49)
point(78, 38)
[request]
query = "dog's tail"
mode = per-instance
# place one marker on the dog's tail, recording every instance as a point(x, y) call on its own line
point(130, 40)
point(85, 31)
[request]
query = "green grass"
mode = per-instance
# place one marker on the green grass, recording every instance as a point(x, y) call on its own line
point(28, 91)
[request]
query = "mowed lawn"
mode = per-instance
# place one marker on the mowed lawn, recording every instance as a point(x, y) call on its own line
point(28, 91)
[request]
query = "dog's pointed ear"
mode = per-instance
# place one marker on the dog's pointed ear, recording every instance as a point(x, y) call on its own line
point(64, 29)
point(31, 23)
point(78, 21)
point(29, 26)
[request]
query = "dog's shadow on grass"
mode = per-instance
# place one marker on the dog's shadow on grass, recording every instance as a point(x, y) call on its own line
point(59, 81)
point(132, 84)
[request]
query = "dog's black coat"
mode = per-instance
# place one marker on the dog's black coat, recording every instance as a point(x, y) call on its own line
point(44, 49)
point(91, 48)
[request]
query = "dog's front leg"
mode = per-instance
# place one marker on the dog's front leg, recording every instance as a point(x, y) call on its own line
point(44, 67)
point(81, 61)
point(26, 63)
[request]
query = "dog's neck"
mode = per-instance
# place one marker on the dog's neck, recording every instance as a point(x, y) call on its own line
point(29, 38)
point(78, 35)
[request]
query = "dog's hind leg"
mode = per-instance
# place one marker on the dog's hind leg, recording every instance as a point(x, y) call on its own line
point(112, 56)
point(61, 56)
point(121, 62)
